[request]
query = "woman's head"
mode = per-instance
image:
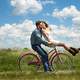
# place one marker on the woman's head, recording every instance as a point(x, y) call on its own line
point(41, 24)
point(45, 25)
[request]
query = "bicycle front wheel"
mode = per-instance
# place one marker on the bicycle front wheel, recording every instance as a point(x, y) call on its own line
point(28, 62)
point(61, 61)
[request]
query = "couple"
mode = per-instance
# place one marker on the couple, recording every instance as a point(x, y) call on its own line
point(42, 29)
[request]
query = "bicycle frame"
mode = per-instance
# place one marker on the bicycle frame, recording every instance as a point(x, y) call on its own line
point(52, 53)
point(51, 56)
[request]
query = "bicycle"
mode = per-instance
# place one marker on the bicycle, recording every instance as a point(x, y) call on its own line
point(58, 61)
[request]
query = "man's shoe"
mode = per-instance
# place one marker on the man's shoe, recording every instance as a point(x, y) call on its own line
point(50, 69)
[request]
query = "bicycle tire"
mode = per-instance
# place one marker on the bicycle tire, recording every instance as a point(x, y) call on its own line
point(24, 62)
point(61, 62)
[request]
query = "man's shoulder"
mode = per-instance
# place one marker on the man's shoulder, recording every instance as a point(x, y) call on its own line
point(35, 30)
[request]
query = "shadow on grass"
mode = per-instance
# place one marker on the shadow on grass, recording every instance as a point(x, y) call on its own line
point(39, 76)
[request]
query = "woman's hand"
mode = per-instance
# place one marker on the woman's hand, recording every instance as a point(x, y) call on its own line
point(50, 42)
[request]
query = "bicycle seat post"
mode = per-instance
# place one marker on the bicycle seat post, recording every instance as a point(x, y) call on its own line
point(55, 49)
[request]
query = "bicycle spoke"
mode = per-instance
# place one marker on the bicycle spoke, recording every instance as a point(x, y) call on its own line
point(28, 62)
point(62, 62)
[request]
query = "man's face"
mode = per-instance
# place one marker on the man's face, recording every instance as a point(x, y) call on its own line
point(42, 25)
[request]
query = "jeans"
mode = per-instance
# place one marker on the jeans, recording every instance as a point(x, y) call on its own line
point(44, 56)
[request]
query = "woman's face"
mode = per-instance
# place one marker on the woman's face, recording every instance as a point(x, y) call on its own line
point(42, 25)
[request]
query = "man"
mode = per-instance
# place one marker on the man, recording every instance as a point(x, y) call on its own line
point(36, 41)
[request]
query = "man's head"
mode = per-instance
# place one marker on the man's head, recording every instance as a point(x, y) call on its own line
point(38, 24)
point(41, 24)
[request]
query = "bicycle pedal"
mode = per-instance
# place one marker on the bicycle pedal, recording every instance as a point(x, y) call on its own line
point(32, 63)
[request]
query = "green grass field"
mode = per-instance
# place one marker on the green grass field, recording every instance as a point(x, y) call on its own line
point(9, 69)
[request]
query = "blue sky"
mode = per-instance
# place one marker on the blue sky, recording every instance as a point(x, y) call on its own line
point(6, 15)
point(17, 20)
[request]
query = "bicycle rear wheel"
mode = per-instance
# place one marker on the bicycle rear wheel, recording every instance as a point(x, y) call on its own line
point(61, 62)
point(28, 62)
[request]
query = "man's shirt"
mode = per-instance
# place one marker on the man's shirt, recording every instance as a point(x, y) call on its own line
point(36, 38)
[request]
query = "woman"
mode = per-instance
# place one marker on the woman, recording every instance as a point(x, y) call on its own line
point(46, 33)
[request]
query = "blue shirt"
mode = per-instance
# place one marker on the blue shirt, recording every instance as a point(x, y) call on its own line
point(36, 38)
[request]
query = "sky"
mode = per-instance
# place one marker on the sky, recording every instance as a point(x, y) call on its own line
point(18, 17)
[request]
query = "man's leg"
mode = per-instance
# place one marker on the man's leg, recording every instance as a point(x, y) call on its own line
point(44, 57)
point(47, 59)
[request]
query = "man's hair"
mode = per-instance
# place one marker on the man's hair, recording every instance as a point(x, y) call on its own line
point(38, 22)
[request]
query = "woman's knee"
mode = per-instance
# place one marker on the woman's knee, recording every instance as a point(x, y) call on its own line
point(61, 44)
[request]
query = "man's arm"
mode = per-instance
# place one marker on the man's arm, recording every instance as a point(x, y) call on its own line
point(40, 40)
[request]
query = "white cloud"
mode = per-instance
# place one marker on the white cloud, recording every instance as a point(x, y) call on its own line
point(70, 11)
point(44, 2)
point(64, 31)
point(16, 35)
point(26, 6)
point(76, 20)
point(74, 14)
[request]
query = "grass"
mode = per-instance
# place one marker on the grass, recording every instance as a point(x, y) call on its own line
point(9, 69)
point(8, 60)
point(39, 76)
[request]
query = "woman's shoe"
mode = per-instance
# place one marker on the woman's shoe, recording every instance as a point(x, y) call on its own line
point(78, 48)
point(72, 52)
point(75, 49)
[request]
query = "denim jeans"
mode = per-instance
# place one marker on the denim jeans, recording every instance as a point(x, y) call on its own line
point(44, 56)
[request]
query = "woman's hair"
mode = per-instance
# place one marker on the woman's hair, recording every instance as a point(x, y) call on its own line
point(45, 24)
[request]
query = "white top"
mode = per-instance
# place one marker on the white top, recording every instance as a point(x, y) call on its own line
point(49, 36)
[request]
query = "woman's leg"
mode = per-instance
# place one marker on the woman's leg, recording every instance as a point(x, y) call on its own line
point(72, 50)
